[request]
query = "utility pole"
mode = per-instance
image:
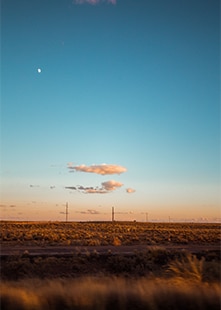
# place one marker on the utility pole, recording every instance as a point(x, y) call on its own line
point(146, 217)
point(66, 211)
point(112, 214)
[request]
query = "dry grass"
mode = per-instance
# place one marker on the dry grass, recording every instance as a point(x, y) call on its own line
point(188, 267)
point(106, 293)
point(154, 262)
point(107, 233)
point(153, 279)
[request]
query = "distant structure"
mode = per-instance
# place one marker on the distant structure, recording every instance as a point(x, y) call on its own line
point(146, 217)
point(66, 211)
point(112, 214)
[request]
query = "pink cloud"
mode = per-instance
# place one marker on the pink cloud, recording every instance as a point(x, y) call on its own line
point(102, 169)
point(130, 190)
point(111, 185)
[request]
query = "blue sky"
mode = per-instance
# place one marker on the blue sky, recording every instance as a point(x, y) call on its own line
point(129, 83)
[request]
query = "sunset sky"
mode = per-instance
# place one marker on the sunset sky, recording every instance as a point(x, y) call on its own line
point(110, 103)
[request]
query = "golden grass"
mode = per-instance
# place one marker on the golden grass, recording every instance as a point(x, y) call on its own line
point(109, 293)
point(188, 267)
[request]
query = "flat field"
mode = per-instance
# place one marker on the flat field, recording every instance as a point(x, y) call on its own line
point(105, 265)
point(107, 233)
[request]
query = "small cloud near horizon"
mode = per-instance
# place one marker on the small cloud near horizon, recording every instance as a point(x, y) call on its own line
point(130, 190)
point(89, 211)
point(102, 169)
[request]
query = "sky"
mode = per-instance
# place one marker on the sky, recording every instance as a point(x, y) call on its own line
point(110, 103)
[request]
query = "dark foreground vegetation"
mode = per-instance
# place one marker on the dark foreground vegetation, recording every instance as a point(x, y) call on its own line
point(154, 262)
point(158, 277)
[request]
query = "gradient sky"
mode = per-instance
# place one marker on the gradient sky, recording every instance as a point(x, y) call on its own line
point(124, 111)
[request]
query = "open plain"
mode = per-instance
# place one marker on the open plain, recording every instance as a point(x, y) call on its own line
point(151, 262)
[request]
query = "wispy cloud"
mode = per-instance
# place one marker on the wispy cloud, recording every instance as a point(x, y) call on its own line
point(90, 211)
point(130, 190)
point(102, 169)
point(7, 206)
point(95, 191)
point(106, 187)
point(71, 187)
point(94, 2)
point(88, 189)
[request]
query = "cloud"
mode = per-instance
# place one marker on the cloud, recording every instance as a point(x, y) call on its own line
point(71, 187)
point(87, 190)
point(111, 185)
point(130, 190)
point(95, 191)
point(90, 211)
point(106, 187)
point(94, 2)
point(102, 169)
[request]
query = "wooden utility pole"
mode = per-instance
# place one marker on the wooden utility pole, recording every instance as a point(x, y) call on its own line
point(146, 217)
point(112, 214)
point(66, 211)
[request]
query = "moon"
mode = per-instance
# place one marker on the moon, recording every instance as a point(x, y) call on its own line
point(39, 70)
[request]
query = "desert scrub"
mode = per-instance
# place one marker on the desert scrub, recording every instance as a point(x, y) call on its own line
point(189, 267)
point(143, 263)
point(129, 233)
point(109, 293)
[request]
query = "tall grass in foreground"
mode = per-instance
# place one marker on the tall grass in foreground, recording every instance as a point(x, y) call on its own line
point(106, 293)
point(188, 267)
